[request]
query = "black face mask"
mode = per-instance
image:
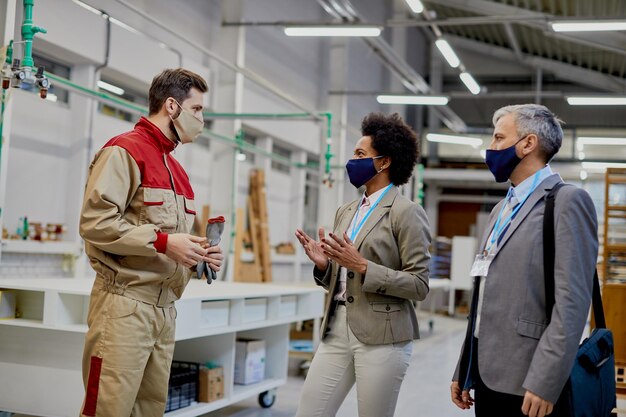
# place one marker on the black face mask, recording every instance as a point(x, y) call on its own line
point(361, 170)
point(502, 163)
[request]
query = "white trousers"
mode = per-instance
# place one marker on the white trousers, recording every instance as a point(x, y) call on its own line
point(341, 360)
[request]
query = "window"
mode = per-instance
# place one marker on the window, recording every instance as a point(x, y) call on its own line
point(54, 94)
point(250, 139)
point(110, 87)
point(279, 165)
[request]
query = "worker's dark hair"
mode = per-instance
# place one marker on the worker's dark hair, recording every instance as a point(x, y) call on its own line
point(174, 83)
point(392, 137)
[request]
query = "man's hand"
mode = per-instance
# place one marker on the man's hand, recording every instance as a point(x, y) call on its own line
point(535, 406)
point(461, 399)
point(344, 253)
point(186, 249)
point(214, 257)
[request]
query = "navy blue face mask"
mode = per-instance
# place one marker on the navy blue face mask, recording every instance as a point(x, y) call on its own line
point(502, 163)
point(361, 170)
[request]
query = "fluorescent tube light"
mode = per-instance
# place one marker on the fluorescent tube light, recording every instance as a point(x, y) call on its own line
point(88, 7)
point(470, 82)
point(447, 52)
point(111, 88)
point(597, 101)
point(602, 165)
point(328, 30)
point(588, 25)
point(588, 140)
point(415, 5)
point(417, 100)
point(457, 140)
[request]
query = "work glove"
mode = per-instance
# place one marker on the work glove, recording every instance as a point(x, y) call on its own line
point(214, 229)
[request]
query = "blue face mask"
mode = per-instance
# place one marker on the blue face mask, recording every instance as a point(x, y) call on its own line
point(502, 163)
point(361, 170)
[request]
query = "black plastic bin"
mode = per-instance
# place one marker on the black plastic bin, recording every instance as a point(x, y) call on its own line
point(183, 385)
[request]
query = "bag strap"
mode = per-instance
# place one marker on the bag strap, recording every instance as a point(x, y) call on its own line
point(549, 249)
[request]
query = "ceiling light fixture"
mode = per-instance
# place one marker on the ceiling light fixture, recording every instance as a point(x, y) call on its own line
point(589, 140)
point(447, 52)
point(334, 30)
point(415, 5)
point(601, 166)
point(588, 25)
point(454, 139)
point(413, 99)
point(111, 88)
point(470, 82)
point(597, 101)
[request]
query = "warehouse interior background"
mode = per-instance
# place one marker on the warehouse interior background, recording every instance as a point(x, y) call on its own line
point(292, 106)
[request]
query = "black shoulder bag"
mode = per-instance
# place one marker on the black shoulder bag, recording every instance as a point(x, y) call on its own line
point(590, 389)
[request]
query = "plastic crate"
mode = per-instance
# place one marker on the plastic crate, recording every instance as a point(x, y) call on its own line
point(183, 385)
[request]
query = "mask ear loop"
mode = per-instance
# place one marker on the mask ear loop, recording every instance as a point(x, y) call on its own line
point(180, 109)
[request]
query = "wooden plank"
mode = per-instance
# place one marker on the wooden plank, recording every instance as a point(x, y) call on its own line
point(199, 222)
point(266, 263)
point(239, 228)
point(614, 301)
point(243, 271)
point(253, 224)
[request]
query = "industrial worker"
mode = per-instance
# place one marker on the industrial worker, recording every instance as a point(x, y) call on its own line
point(515, 358)
point(137, 212)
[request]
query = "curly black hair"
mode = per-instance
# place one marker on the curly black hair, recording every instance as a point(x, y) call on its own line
point(392, 137)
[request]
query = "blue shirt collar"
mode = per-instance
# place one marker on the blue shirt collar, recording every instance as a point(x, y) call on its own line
point(523, 189)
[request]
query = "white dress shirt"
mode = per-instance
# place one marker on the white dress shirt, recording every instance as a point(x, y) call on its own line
point(366, 204)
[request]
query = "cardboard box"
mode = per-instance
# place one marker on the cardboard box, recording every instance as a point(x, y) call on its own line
point(7, 304)
point(249, 361)
point(211, 385)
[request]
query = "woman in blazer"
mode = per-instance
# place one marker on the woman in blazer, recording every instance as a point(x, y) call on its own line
point(373, 264)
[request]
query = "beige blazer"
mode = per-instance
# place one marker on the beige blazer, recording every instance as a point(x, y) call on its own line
point(395, 240)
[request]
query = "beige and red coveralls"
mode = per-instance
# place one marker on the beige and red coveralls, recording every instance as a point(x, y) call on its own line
point(136, 195)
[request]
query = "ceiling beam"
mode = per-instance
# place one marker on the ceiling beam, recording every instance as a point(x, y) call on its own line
point(562, 70)
point(608, 41)
point(513, 41)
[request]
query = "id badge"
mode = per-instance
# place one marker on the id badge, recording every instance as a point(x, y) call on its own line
point(480, 268)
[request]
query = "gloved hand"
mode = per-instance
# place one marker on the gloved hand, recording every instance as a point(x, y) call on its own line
point(214, 229)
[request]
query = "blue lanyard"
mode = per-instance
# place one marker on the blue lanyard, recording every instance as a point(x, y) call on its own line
point(502, 224)
point(357, 226)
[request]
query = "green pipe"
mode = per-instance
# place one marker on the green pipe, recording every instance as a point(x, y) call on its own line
point(125, 103)
point(239, 143)
point(328, 155)
point(2, 108)
point(28, 33)
point(9, 57)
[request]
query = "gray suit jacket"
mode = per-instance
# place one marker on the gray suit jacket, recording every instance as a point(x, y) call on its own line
point(516, 350)
point(394, 240)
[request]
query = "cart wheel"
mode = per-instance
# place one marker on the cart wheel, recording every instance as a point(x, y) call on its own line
point(267, 398)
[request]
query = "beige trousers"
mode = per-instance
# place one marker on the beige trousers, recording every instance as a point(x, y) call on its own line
point(341, 360)
point(127, 357)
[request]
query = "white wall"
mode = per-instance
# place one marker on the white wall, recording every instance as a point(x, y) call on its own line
point(43, 132)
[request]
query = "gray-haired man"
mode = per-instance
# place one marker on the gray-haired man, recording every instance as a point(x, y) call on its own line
point(515, 362)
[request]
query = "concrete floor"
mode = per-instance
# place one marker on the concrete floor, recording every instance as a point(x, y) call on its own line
point(424, 393)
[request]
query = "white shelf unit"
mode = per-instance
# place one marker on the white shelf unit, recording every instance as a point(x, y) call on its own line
point(44, 346)
point(38, 247)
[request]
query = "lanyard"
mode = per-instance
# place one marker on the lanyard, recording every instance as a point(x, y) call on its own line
point(502, 224)
point(357, 226)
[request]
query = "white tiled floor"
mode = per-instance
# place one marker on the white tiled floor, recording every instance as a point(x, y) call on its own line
point(424, 393)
